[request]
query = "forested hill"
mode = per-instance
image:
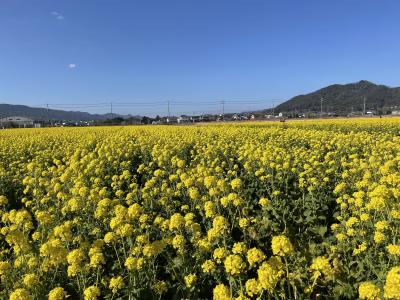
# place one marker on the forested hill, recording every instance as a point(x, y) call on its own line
point(38, 113)
point(345, 98)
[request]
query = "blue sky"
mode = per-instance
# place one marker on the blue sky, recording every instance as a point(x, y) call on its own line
point(85, 54)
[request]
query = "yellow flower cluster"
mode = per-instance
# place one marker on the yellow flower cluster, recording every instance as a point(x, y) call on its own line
point(221, 292)
point(57, 293)
point(234, 264)
point(369, 291)
point(281, 245)
point(392, 284)
point(91, 293)
point(270, 273)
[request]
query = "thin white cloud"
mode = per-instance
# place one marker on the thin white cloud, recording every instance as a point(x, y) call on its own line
point(72, 66)
point(57, 15)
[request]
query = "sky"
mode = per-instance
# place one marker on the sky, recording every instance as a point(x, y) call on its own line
point(200, 56)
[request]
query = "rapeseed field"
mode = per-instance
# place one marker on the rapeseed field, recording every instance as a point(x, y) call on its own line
point(295, 210)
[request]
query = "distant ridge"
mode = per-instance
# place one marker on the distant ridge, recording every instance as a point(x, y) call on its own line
point(337, 98)
point(42, 114)
point(344, 98)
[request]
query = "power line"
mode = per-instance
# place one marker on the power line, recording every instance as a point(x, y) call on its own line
point(48, 113)
point(155, 103)
point(74, 106)
point(235, 105)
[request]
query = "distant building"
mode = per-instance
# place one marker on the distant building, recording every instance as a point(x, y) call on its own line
point(20, 122)
point(168, 120)
point(208, 118)
point(195, 119)
point(183, 119)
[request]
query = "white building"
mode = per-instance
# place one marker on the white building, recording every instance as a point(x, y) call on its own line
point(183, 119)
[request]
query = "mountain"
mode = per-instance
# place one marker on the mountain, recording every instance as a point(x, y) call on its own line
point(345, 98)
point(337, 98)
point(42, 114)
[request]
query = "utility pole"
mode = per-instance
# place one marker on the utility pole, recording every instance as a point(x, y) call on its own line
point(169, 114)
point(364, 106)
point(273, 108)
point(48, 114)
point(223, 108)
point(322, 99)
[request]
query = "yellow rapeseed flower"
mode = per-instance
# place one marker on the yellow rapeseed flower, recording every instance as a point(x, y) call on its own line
point(57, 293)
point(369, 291)
point(392, 284)
point(281, 245)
